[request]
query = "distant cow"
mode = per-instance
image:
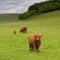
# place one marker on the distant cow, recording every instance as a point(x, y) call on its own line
point(23, 29)
point(34, 42)
point(14, 31)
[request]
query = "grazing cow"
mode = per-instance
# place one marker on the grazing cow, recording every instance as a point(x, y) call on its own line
point(23, 29)
point(34, 42)
point(14, 31)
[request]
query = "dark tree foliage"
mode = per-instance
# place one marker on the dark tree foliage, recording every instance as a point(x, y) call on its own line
point(39, 8)
point(26, 14)
point(45, 6)
point(54, 0)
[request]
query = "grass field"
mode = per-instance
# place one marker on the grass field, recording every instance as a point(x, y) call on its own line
point(15, 47)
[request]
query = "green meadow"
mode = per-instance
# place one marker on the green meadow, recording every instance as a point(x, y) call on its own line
point(16, 47)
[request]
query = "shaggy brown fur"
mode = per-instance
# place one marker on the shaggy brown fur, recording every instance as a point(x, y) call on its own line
point(14, 31)
point(23, 29)
point(34, 41)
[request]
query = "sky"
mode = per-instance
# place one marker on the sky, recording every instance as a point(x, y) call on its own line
point(16, 6)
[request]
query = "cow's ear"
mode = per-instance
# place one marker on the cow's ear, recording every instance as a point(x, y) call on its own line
point(41, 35)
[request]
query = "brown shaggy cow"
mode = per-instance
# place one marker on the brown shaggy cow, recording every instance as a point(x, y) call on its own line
point(34, 42)
point(23, 29)
point(14, 31)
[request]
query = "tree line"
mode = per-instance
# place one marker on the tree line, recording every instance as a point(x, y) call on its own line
point(39, 8)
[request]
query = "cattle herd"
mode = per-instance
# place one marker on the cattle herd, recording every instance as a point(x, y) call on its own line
point(34, 40)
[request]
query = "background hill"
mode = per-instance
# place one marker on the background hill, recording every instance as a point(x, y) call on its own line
point(8, 17)
point(14, 17)
point(15, 47)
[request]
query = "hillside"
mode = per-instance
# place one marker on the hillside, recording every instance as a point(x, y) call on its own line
point(14, 17)
point(15, 47)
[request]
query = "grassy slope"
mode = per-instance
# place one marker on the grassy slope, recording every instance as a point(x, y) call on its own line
point(15, 47)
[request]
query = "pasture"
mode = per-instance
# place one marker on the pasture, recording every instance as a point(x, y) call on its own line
point(15, 47)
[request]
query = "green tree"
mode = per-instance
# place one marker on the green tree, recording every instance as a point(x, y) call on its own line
point(39, 8)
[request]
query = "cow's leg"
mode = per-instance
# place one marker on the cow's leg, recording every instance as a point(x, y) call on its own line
point(31, 47)
point(34, 46)
point(38, 45)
